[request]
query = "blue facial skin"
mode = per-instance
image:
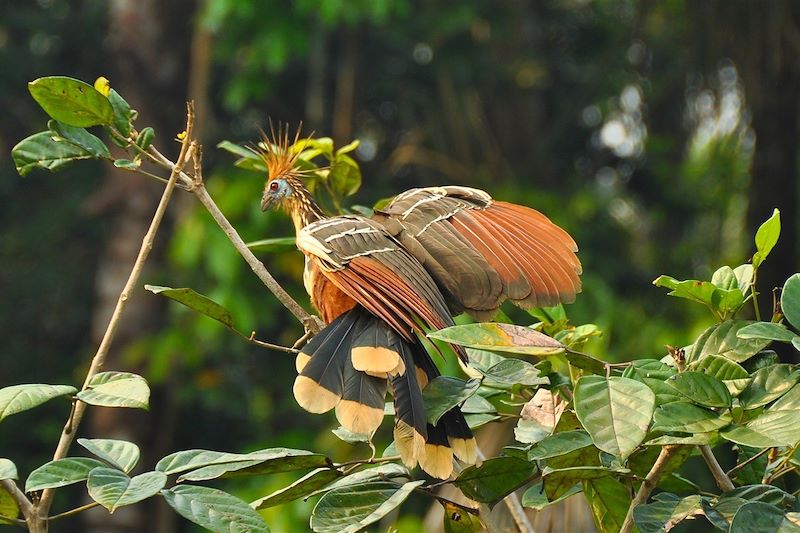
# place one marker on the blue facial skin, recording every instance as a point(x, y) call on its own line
point(275, 191)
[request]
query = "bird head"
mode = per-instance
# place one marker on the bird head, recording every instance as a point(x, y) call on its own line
point(278, 192)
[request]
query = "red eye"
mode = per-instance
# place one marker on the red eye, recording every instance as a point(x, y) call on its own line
point(273, 186)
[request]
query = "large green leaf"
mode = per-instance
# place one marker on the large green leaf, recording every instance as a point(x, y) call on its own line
point(47, 151)
point(666, 508)
point(719, 367)
point(559, 444)
point(722, 301)
point(80, 138)
point(531, 431)
point(766, 330)
point(214, 509)
point(9, 509)
point(790, 300)
point(8, 470)
point(117, 389)
point(772, 428)
point(120, 453)
point(721, 339)
point(500, 338)
point(788, 402)
point(494, 479)
point(113, 489)
point(688, 418)
point(609, 500)
point(761, 517)
point(123, 114)
point(378, 473)
point(61, 472)
point(71, 101)
point(766, 237)
point(510, 372)
point(616, 412)
point(196, 301)
point(304, 486)
point(349, 509)
point(208, 464)
point(768, 384)
point(535, 497)
point(18, 398)
point(702, 389)
point(443, 393)
point(654, 374)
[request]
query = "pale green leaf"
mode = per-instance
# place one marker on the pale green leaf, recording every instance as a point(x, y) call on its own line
point(349, 509)
point(214, 509)
point(120, 453)
point(18, 398)
point(117, 389)
point(61, 472)
point(767, 237)
point(113, 489)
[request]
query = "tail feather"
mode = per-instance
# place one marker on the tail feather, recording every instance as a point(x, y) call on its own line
point(347, 367)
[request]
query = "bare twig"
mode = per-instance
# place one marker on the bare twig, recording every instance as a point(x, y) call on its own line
point(68, 434)
point(723, 481)
point(649, 483)
point(738, 467)
point(252, 339)
point(73, 512)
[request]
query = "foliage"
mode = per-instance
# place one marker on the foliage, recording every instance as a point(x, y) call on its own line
point(584, 425)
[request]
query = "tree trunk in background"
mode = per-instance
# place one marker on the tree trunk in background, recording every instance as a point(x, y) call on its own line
point(148, 52)
point(345, 88)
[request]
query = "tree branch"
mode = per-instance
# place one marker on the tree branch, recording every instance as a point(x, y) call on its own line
point(723, 481)
point(68, 434)
point(649, 483)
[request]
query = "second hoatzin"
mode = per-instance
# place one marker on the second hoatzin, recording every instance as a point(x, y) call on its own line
point(377, 282)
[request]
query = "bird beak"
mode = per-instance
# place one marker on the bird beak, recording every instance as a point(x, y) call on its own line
point(266, 201)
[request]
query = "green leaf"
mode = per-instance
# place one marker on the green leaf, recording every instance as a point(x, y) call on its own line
point(46, 150)
point(724, 278)
point(345, 175)
point(477, 420)
point(61, 472)
point(145, 138)
point(214, 509)
point(127, 164)
point(698, 439)
point(119, 453)
point(758, 516)
point(763, 493)
point(500, 338)
point(494, 479)
point(482, 359)
point(284, 459)
point(304, 486)
point(8, 470)
point(744, 277)
point(772, 428)
point(609, 500)
point(477, 404)
point(721, 339)
point(117, 389)
point(114, 489)
point(196, 301)
point(768, 384)
point(667, 508)
point(616, 412)
point(560, 444)
point(443, 393)
point(535, 497)
point(347, 148)
point(688, 418)
point(510, 372)
point(723, 301)
point(701, 389)
point(274, 245)
point(577, 336)
point(71, 101)
point(8, 507)
point(766, 238)
point(18, 398)
point(457, 520)
point(235, 149)
point(350, 437)
point(531, 431)
point(378, 473)
point(654, 374)
point(559, 481)
point(349, 509)
point(123, 114)
point(719, 367)
point(766, 330)
point(788, 402)
point(80, 138)
point(586, 362)
point(753, 472)
point(790, 300)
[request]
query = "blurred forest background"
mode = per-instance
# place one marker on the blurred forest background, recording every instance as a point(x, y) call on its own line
point(660, 134)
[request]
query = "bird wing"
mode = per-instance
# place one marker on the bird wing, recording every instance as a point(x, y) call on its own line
point(481, 251)
point(371, 267)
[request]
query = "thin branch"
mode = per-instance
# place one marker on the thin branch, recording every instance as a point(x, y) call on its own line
point(723, 481)
point(738, 467)
point(428, 492)
point(73, 512)
point(252, 339)
point(649, 483)
point(370, 461)
point(68, 434)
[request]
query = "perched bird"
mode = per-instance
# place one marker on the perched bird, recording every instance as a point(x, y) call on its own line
point(378, 282)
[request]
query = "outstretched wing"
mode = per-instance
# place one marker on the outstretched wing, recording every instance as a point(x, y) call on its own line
point(365, 263)
point(482, 251)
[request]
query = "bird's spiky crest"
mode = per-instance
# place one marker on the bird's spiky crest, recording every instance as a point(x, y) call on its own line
point(276, 151)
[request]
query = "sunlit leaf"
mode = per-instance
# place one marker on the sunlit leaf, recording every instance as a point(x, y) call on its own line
point(114, 489)
point(724, 301)
point(688, 418)
point(304, 486)
point(772, 428)
point(531, 431)
point(61, 473)
point(654, 374)
point(768, 384)
point(702, 389)
point(788, 402)
point(666, 511)
point(766, 238)
point(214, 509)
point(380, 472)
point(122, 454)
point(196, 301)
point(71, 101)
point(766, 330)
point(616, 412)
point(445, 392)
point(494, 479)
point(721, 339)
point(719, 367)
point(8, 470)
point(535, 497)
point(500, 338)
point(285, 458)
point(345, 175)
point(117, 389)
point(510, 372)
point(559, 481)
point(18, 398)
point(559, 444)
point(349, 509)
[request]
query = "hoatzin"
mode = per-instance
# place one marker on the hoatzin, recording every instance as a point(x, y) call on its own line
point(377, 282)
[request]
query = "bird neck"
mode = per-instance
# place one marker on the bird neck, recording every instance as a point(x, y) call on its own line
point(304, 209)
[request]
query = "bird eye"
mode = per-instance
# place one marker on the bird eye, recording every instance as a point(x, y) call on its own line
point(273, 186)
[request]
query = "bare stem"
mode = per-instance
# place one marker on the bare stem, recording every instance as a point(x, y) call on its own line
point(741, 465)
point(75, 511)
point(723, 481)
point(68, 434)
point(649, 483)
